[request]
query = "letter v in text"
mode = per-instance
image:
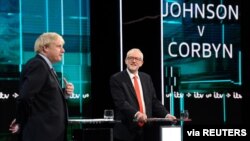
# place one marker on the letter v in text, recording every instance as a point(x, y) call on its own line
point(193, 132)
point(201, 31)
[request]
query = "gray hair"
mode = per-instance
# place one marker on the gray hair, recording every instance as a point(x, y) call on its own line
point(135, 50)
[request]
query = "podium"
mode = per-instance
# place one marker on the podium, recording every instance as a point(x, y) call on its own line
point(102, 129)
point(93, 129)
point(162, 129)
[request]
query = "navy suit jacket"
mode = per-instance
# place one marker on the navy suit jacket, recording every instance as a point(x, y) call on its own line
point(41, 106)
point(126, 104)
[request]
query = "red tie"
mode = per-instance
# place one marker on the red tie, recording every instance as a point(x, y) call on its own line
point(138, 95)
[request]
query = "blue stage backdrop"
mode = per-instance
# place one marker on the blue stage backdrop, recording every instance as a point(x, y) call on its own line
point(22, 21)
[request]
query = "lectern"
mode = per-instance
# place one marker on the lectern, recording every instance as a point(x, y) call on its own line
point(93, 129)
point(102, 129)
point(157, 129)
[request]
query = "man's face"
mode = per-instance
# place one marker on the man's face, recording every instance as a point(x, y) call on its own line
point(55, 51)
point(134, 61)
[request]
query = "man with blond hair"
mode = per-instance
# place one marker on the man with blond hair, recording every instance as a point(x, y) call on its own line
point(41, 105)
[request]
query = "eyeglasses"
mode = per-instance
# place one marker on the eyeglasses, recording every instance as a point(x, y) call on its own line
point(130, 58)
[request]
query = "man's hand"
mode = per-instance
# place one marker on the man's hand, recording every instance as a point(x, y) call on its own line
point(14, 127)
point(69, 87)
point(171, 118)
point(141, 117)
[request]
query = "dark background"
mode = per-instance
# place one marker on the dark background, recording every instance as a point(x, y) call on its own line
point(105, 44)
point(141, 29)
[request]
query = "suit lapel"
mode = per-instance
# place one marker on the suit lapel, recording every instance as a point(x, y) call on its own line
point(53, 73)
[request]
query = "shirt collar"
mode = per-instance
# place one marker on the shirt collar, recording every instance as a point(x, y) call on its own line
point(131, 75)
point(46, 60)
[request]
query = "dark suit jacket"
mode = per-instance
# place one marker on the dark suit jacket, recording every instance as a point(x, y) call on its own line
point(126, 104)
point(41, 106)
